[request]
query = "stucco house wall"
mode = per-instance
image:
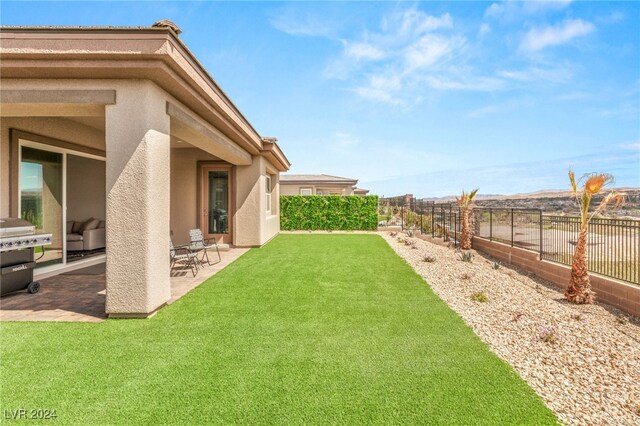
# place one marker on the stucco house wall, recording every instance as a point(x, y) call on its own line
point(294, 189)
point(133, 109)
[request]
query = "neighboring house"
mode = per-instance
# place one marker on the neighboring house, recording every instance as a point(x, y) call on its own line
point(319, 185)
point(125, 125)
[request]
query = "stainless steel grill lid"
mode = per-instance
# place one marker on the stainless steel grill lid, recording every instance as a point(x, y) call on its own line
point(15, 226)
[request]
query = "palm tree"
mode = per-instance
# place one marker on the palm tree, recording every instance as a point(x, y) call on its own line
point(579, 289)
point(465, 201)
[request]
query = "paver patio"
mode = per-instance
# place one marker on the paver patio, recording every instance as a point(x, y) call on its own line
point(80, 296)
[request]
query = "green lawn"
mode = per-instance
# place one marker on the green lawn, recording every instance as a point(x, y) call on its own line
point(311, 329)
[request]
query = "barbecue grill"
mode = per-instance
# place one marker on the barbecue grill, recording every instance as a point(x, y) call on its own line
point(17, 241)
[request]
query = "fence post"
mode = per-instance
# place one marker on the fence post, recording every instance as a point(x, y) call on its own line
point(433, 220)
point(490, 224)
point(402, 216)
point(511, 227)
point(541, 232)
point(421, 214)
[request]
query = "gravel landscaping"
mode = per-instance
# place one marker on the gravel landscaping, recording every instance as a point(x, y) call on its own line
point(584, 361)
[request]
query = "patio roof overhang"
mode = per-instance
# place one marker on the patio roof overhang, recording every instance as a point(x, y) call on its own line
point(151, 53)
point(272, 152)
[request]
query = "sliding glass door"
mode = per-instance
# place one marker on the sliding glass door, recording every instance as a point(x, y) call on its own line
point(41, 198)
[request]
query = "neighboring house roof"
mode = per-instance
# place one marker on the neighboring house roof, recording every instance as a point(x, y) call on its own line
point(289, 179)
point(360, 191)
point(155, 53)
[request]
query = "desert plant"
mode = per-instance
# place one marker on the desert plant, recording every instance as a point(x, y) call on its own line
point(465, 276)
point(516, 316)
point(579, 289)
point(465, 202)
point(496, 265)
point(466, 256)
point(548, 335)
point(393, 234)
point(621, 319)
point(479, 296)
point(428, 259)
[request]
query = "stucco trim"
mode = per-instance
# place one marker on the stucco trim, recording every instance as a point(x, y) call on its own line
point(101, 97)
point(147, 39)
point(14, 168)
point(199, 125)
point(272, 152)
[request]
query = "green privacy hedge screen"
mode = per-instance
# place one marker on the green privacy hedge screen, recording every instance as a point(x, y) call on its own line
point(333, 212)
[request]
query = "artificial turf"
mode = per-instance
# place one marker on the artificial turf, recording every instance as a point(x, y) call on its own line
point(310, 329)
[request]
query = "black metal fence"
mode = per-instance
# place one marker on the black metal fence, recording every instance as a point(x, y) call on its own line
point(614, 244)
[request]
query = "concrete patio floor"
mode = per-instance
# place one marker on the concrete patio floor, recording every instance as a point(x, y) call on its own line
point(79, 296)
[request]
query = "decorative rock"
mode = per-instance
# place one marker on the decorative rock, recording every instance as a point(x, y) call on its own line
point(590, 375)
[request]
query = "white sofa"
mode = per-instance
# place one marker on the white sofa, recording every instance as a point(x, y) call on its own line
point(86, 235)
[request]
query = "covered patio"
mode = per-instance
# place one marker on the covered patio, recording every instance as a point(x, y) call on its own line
point(80, 295)
point(123, 127)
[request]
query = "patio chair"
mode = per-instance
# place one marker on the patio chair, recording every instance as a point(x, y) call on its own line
point(183, 254)
point(198, 243)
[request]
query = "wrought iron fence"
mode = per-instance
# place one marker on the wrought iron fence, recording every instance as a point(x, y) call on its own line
point(614, 244)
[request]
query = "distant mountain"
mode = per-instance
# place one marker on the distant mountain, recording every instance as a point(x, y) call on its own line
point(550, 201)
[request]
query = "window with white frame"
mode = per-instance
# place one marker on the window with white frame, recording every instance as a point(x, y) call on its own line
point(268, 190)
point(306, 191)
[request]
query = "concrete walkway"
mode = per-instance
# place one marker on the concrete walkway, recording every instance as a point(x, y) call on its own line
point(79, 296)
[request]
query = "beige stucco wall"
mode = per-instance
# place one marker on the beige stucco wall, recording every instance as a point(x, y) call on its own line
point(294, 189)
point(184, 191)
point(253, 225)
point(86, 193)
point(138, 173)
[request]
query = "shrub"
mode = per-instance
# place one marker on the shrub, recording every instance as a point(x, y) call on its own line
point(319, 212)
point(428, 259)
point(621, 319)
point(496, 265)
point(548, 335)
point(465, 276)
point(466, 256)
point(479, 296)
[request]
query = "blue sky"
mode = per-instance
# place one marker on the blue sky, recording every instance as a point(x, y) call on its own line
point(428, 98)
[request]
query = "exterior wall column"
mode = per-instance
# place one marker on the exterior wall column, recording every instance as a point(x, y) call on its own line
point(138, 214)
point(250, 204)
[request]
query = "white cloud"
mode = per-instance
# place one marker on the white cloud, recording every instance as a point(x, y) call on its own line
point(465, 81)
point(557, 74)
point(539, 38)
point(484, 29)
point(632, 146)
point(362, 50)
point(489, 109)
point(430, 49)
point(612, 18)
point(294, 24)
point(534, 7)
point(344, 142)
point(381, 88)
point(512, 9)
point(413, 22)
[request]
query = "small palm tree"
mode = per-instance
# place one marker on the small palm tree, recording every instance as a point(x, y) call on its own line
point(465, 201)
point(579, 289)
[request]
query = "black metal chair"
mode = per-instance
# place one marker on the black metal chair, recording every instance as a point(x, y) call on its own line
point(198, 243)
point(183, 254)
